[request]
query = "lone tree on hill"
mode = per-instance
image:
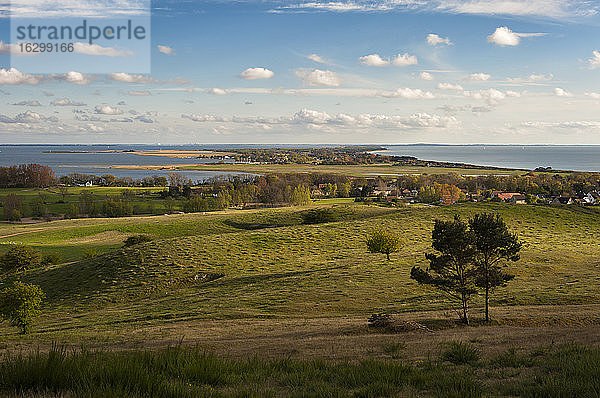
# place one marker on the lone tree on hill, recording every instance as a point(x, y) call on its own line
point(494, 246)
point(21, 304)
point(452, 270)
point(385, 242)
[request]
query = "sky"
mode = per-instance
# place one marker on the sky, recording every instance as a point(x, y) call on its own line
point(313, 72)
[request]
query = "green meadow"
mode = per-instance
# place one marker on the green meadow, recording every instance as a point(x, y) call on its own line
point(240, 284)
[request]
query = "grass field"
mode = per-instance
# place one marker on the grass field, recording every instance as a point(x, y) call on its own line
point(243, 283)
point(349, 170)
point(144, 200)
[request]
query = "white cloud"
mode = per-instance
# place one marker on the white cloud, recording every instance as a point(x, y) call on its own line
point(74, 77)
point(405, 60)
point(434, 40)
point(95, 49)
point(165, 49)
point(66, 102)
point(317, 77)
point(93, 128)
point(408, 93)
point(532, 79)
point(135, 93)
point(74, 9)
point(256, 73)
point(543, 8)
point(449, 86)
point(216, 91)
point(426, 76)
point(129, 78)
point(560, 92)
point(28, 103)
point(503, 37)
point(107, 110)
point(491, 96)
point(555, 9)
point(316, 58)
point(593, 95)
point(13, 76)
point(579, 125)
point(27, 117)
point(595, 60)
point(477, 77)
point(373, 60)
point(308, 117)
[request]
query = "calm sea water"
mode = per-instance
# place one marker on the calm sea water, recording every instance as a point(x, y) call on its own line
point(578, 158)
point(18, 154)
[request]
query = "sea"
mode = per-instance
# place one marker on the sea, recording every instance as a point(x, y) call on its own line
point(576, 158)
point(559, 157)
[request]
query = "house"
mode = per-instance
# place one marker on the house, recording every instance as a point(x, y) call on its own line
point(518, 199)
point(562, 200)
point(507, 196)
point(591, 198)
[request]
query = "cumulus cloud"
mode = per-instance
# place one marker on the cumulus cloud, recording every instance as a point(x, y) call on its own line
point(316, 58)
point(503, 37)
point(107, 110)
point(405, 60)
point(477, 77)
point(426, 76)
point(435, 40)
point(593, 95)
point(13, 76)
point(66, 102)
point(491, 96)
point(532, 79)
point(95, 49)
point(216, 91)
point(373, 60)
point(257, 73)
point(594, 62)
point(129, 78)
point(136, 93)
point(560, 92)
point(449, 86)
point(28, 103)
point(26, 118)
point(408, 93)
point(165, 49)
point(74, 77)
point(308, 117)
point(317, 77)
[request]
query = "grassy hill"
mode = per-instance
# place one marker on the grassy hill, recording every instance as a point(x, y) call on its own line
point(268, 264)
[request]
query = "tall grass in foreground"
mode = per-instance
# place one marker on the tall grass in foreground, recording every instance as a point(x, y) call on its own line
point(188, 372)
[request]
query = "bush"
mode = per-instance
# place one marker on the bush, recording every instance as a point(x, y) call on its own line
point(136, 240)
point(20, 257)
point(14, 215)
point(117, 208)
point(319, 216)
point(461, 353)
point(21, 304)
point(90, 253)
point(51, 259)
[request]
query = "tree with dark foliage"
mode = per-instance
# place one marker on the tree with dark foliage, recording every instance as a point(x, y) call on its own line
point(495, 246)
point(452, 270)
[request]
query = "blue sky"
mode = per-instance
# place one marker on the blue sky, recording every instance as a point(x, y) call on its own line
point(402, 71)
